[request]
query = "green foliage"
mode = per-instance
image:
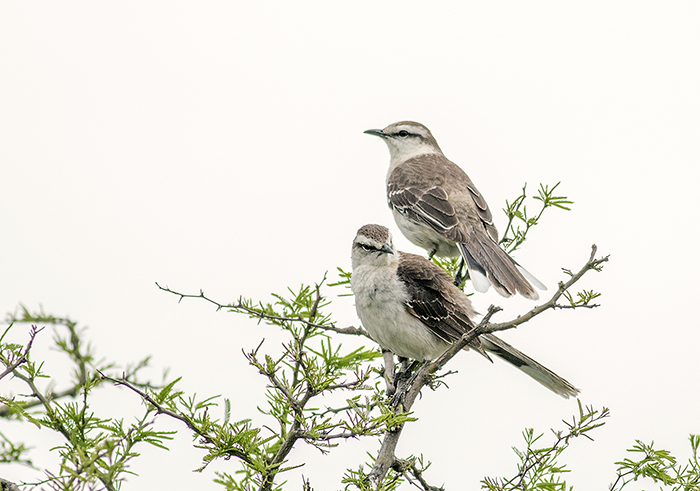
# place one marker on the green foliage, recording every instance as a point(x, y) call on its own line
point(359, 479)
point(13, 452)
point(344, 281)
point(540, 467)
point(95, 449)
point(583, 298)
point(311, 366)
point(659, 466)
point(452, 265)
point(520, 222)
point(409, 469)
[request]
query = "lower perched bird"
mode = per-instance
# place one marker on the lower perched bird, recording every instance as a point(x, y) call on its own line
point(437, 207)
point(411, 307)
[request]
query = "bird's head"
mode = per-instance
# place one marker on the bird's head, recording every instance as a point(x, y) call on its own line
point(373, 245)
point(407, 139)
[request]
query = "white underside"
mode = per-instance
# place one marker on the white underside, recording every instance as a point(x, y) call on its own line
point(379, 300)
point(425, 237)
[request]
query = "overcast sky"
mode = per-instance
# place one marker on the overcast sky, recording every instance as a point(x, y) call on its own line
point(219, 145)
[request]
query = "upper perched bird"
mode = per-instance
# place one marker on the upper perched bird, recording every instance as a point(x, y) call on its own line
point(438, 208)
point(411, 307)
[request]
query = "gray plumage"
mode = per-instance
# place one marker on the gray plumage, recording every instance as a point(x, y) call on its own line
point(437, 207)
point(410, 307)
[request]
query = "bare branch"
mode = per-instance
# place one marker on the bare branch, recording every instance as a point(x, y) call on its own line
point(418, 475)
point(386, 458)
point(591, 264)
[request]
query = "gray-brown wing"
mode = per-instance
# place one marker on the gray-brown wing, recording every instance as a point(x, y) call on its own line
point(430, 298)
point(431, 206)
point(422, 196)
point(482, 209)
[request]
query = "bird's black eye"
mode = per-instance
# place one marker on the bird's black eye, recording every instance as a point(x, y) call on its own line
point(403, 133)
point(367, 247)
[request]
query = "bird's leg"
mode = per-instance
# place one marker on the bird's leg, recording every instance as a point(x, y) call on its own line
point(407, 366)
point(418, 366)
point(459, 277)
point(389, 372)
point(432, 253)
point(404, 379)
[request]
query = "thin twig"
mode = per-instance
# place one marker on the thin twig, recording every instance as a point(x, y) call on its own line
point(418, 475)
point(180, 417)
point(23, 358)
point(591, 264)
point(351, 330)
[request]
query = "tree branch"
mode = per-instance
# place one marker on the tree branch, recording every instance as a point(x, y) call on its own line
point(239, 306)
point(409, 390)
point(23, 358)
point(180, 417)
point(418, 475)
point(386, 458)
point(591, 264)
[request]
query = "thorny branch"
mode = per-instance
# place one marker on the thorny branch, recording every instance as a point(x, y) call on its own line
point(591, 264)
point(298, 405)
point(57, 421)
point(73, 349)
point(84, 459)
point(241, 307)
point(296, 398)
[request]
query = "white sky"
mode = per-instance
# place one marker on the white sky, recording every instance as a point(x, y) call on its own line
point(219, 146)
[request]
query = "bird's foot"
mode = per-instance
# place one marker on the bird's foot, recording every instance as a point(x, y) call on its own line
point(389, 372)
point(404, 380)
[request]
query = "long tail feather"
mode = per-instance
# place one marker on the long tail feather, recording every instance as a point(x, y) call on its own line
point(526, 364)
point(485, 258)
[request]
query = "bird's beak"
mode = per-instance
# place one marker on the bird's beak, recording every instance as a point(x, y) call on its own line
point(386, 248)
point(378, 133)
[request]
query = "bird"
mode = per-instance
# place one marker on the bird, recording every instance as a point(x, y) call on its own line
point(437, 207)
point(411, 307)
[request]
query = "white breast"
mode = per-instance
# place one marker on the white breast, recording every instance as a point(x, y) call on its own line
point(380, 302)
point(424, 236)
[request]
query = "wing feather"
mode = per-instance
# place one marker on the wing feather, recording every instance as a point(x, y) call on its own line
point(431, 298)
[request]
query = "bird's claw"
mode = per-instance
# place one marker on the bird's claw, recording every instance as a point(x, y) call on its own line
point(404, 380)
